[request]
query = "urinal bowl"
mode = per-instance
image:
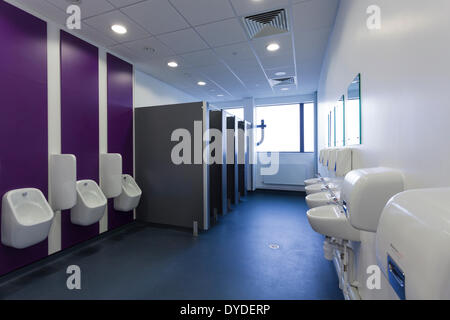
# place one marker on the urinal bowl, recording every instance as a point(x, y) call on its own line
point(26, 218)
point(320, 187)
point(91, 204)
point(310, 182)
point(321, 199)
point(130, 196)
point(331, 221)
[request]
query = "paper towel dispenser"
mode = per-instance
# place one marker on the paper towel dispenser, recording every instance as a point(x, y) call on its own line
point(413, 244)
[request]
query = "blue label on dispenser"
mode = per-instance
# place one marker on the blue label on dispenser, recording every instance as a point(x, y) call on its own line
point(396, 278)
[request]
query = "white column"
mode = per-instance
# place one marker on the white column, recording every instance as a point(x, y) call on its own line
point(250, 115)
point(54, 121)
point(103, 119)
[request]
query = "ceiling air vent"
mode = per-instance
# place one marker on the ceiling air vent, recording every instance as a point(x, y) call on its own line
point(267, 24)
point(282, 81)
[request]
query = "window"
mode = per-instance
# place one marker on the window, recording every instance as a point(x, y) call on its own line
point(290, 128)
point(238, 112)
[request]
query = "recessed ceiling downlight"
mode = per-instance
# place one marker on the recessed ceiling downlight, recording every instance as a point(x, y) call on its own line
point(201, 83)
point(172, 64)
point(281, 73)
point(284, 89)
point(273, 47)
point(119, 29)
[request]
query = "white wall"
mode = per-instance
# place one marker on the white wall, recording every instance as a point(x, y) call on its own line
point(149, 91)
point(405, 74)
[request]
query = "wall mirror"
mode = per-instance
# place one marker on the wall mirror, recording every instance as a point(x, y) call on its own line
point(340, 122)
point(353, 113)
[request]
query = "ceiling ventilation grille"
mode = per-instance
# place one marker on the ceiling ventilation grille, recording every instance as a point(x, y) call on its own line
point(282, 81)
point(267, 24)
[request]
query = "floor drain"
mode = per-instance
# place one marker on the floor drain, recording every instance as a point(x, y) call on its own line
point(274, 246)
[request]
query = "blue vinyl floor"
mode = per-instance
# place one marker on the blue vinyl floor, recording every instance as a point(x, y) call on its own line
point(231, 261)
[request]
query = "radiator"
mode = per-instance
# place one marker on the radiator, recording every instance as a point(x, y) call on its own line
point(288, 174)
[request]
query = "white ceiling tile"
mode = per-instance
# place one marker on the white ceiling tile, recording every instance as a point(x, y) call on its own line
point(289, 71)
point(157, 16)
point(96, 37)
point(249, 7)
point(231, 53)
point(123, 3)
point(104, 22)
point(222, 33)
point(281, 58)
point(315, 14)
point(203, 11)
point(88, 8)
point(201, 58)
point(183, 41)
point(149, 48)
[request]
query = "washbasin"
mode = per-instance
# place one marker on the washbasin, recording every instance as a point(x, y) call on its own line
point(331, 221)
point(26, 218)
point(310, 182)
point(321, 187)
point(322, 199)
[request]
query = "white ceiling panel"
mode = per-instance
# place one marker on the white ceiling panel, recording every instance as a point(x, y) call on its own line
point(149, 48)
point(149, 15)
point(216, 36)
point(104, 22)
point(207, 39)
point(201, 58)
point(183, 41)
point(305, 14)
point(249, 7)
point(204, 11)
point(122, 3)
point(288, 71)
point(88, 8)
point(235, 52)
point(95, 36)
point(284, 40)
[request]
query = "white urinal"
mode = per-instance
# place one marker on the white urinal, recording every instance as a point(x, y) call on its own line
point(130, 196)
point(26, 218)
point(91, 204)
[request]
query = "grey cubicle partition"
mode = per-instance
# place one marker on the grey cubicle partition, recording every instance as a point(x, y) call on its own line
point(218, 171)
point(173, 194)
point(243, 157)
point(232, 167)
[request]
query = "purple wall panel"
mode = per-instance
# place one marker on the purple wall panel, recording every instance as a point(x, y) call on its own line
point(120, 125)
point(79, 121)
point(23, 119)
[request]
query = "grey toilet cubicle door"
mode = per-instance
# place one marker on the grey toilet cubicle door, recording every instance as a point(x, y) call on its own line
point(173, 194)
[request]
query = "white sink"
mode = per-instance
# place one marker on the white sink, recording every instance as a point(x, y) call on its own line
point(331, 221)
point(320, 187)
point(130, 196)
point(310, 182)
point(321, 199)
point(26, 218)
point(91, 204)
